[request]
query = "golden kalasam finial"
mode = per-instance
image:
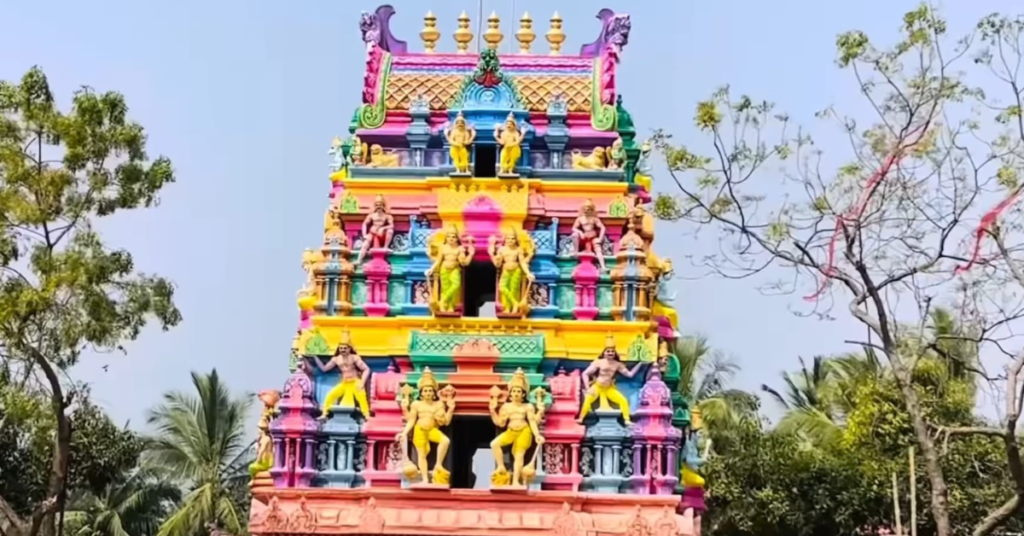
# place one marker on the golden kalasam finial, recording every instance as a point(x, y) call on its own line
point(463, 35)
point(555, 35)
point(493, 33)
point(609, 341)
point(525, 35)
point(429, 33)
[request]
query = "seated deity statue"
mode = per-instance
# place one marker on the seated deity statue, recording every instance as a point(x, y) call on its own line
point(520, 419)
point(424, 418)
point(378, 228)
point(588, 232)
point(460, 138)
point(595, 160)
point(351, 389)
point(509, 137)
point(513, 259)
point(606, 367)
point(446, 271)
point(616, 155)
point(380, 159)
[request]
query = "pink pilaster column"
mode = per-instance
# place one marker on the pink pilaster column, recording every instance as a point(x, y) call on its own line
point(585, 275)
point(377, 271)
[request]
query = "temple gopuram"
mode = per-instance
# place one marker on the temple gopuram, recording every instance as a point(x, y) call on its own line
point(472, 180)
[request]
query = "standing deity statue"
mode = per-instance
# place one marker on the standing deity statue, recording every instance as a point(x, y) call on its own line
point(351, 389)
point(606, 367)
point(378, 228)
point(643, 166)
point(448, 260)
point(520, 419)
point(616, 155)
point(509, 137)
point(588, 232)
point(693, 483)
point(513, 259)
point(264, 444)
point(460, 137)
point(423, 418)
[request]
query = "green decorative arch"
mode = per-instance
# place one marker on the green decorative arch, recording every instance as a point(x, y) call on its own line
point(603, 117)
point(349, 204)
point(638, 351)
point(618, 208)
point(372, 116)
point(317, 344)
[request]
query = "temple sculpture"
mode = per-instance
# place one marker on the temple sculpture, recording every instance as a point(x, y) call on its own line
point(488, 313)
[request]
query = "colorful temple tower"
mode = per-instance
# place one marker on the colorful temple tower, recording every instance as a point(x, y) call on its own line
point(471, 180)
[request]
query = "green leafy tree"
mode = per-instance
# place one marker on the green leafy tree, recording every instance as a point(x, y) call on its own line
point(883, 234)
point(62, 291)
point(131, 506)
point(806, 399)
point(200, 440)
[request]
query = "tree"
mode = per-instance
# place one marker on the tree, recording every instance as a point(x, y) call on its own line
point(135, 505)
point(891, 233)
point(64, 293)
point(809, 410)
point(200, 440)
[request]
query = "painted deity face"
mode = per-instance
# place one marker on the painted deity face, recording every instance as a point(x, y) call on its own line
point(588, 209)
point(511, 239)
point(460, 123)
point(343, 350)
point(511, 123)
point(428, 394)
point(516, 394)
point(452, 239)
point(610, 353)
point(379, 206)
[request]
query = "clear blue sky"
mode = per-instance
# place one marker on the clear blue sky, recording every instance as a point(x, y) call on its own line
point(245, 97)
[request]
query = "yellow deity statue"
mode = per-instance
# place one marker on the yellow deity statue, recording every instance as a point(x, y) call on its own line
point(509, 137)
point(449, 257)
point(520, 419)
point(351, 388)
point(606, 367)
point(264, 445)
point(423, 418)
point(513, 257)
point(460, 137)
point(616, 155)
point(380, 159)
point(595, 160)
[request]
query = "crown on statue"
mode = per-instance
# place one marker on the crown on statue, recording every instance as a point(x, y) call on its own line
point(427, 380)
point(609, 341)
point(519, 380)
point(663, 349)
point(380, 199)
point(696, 422)
point(346, 338)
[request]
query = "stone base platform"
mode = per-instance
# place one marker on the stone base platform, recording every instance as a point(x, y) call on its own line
point(464, 512)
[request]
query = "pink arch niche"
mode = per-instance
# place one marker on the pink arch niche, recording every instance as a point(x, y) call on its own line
point(482, 218)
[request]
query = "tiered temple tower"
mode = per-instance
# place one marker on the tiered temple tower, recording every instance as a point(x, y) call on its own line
point(470, 179)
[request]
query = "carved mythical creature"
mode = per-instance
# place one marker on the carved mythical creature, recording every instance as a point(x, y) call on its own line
point(380, 159)
point(595, 160)
point(423, 418)
point(513, 257)
point(606, 367)
point(369, 25)
point(449, 257)
point(520, 420)
point(617, 34)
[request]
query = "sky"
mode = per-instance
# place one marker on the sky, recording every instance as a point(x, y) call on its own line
point(245, 98)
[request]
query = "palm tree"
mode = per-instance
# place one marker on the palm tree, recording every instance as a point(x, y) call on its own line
point(133, 506)
point(807, 400)
point(704, 374)
point(200, 439)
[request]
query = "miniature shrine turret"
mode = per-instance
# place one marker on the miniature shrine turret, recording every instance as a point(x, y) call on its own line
point(485, 309)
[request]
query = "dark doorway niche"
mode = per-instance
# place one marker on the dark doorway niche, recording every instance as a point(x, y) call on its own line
point(486, 161)
point(470, 433)
point(479, 286)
